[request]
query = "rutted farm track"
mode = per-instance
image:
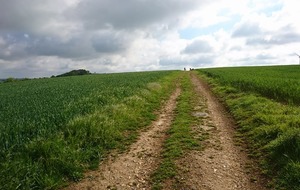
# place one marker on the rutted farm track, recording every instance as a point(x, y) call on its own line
point(132, 169)
point(219, 165)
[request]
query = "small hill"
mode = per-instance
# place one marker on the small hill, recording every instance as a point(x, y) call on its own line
point(75, 73)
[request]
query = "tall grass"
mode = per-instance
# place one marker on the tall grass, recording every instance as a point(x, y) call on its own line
point(281, 83)
point(271, 128)
point(54, 129)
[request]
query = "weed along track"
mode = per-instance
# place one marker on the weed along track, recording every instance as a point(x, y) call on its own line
point(221, 164)
point(132, 169)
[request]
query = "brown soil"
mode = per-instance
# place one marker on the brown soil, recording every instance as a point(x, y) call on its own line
point(221, 165)
point(132, 169)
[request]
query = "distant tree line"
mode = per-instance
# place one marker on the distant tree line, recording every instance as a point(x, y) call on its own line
point(11, 79)
point(75, 73)
point(71, 73)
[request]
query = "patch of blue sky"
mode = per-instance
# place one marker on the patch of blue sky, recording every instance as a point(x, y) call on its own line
point(192, 32)
point(268, 11)
point(14, 37)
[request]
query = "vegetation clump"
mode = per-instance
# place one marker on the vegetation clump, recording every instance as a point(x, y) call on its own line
point(75, 73)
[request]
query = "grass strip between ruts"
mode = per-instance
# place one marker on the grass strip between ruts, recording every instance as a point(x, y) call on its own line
point(180, 136)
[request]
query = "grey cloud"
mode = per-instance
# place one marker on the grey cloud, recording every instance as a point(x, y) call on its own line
point(75, 47)
point(28, 15)
point(264, 57)
point(277, 39)
point(121, 14)
point(23, 29)
point(236, 48)
point(16, 46)
point(247, 29)
point(12, 52)
point(83, 36)
point(256, 36)
point(27, 68)
point(198, 61)
point(198, 46)
point(48, 66)
point(110, 42)
point(12, 46)
point(51, 32)
point(40, 66)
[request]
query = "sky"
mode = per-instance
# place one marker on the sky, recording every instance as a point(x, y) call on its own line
point(50, 37)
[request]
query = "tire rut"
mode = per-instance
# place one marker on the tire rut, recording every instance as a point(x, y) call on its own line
point(221, 165)
point(132, 169)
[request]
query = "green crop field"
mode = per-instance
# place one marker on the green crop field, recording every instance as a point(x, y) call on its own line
point(265, 103)
point(53, 129)
point(281, 83)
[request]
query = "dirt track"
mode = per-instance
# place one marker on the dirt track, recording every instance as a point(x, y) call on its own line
point(219, 166)
point(132, 169)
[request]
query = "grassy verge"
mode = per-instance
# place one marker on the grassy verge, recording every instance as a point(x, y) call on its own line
point(50, 163)
point(271, 129)
point(180, 135)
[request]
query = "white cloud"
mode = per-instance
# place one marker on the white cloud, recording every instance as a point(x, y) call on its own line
point(42, 38)
point(130, 14)
point(198, 46)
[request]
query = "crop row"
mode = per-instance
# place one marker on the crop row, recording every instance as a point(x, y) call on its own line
point(281, 83)
point(52, 129)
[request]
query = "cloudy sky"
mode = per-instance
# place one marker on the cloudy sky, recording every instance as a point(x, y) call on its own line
point(49, 37)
